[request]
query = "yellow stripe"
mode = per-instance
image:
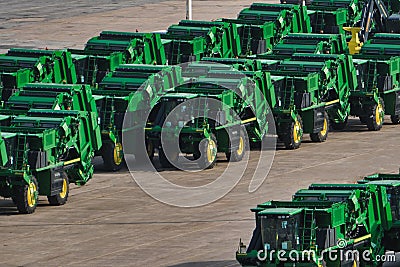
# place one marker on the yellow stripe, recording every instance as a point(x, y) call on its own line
point(249, 120)
point(332, 102)
point(362, 238)
point(72, 161)
point(148, 129)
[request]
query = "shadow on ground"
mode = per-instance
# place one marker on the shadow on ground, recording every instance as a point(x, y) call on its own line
point(7, 207)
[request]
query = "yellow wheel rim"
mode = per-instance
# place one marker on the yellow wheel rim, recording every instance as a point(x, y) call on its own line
point(64, 189)
point(297, 132)
point(325, 128)
point(241, 146)
point(118, 153)
point(31, 194)
point(379, 114)
point(211, 151)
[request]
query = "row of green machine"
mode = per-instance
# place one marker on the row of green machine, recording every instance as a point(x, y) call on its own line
point(60, 108)
point(328, 225)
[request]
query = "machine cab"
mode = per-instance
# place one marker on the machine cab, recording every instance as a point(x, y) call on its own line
point(280, 228)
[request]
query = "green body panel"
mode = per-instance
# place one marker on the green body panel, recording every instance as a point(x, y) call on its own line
point(143, 48)
point(21, 66)
point(311, 43)
point(102, 54)
point(191, 40)
point(263, 25)
point(57, 97)
point(328, 16)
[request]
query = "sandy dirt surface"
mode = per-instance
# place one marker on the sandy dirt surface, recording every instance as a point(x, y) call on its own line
point(58, 24)
point(111, 221)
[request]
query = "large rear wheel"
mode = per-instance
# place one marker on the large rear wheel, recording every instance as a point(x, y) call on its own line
point(26, 197)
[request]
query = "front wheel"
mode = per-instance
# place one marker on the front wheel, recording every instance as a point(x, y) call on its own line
point(208, 149)
point(293, 135)
point(322, 135)
point(236, 155)
point(26, 197)
point(375, 121)
point(113, 156)
point(62, 197)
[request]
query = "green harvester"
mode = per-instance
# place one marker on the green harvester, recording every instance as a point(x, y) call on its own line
point(325, 225)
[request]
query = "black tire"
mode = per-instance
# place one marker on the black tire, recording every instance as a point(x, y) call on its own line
point(164, 161)
point(339, 126)
point(112, 155)
point(62, 197)
point(322, 135)
point(208, 149)
point(197, 153)
point(27, 196)
point(142, 158)
point(237, 154)
point(375, 121)
point(293, 134)
point(363, 119)
point(395, 119)
point(150, 149)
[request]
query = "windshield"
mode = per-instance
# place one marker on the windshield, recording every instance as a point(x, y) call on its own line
point(394, 198)
point(280, 232)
